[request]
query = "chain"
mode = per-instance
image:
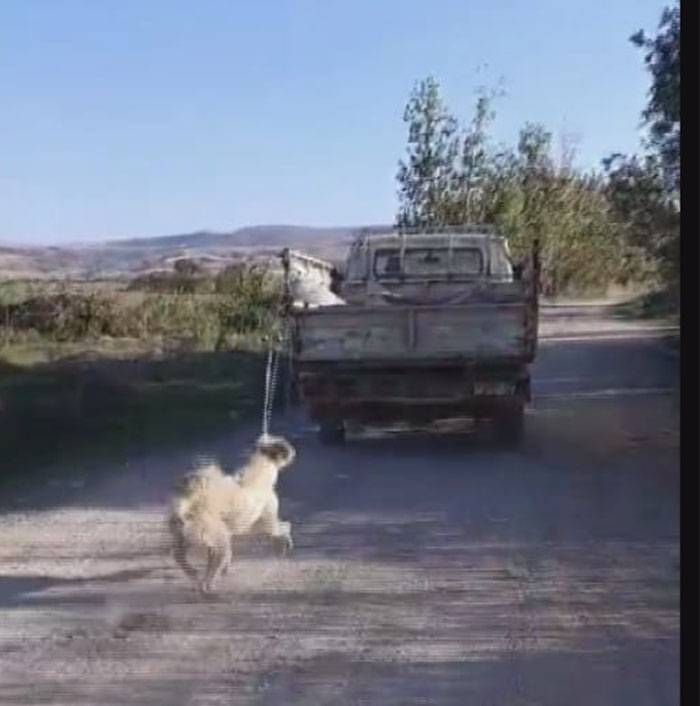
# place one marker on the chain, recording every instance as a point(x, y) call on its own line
point(271, 376)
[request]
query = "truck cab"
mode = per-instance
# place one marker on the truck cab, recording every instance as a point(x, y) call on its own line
point(385, 268)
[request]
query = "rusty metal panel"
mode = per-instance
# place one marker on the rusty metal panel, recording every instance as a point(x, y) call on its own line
point(347, 333)
point(488, 331)
point(482, 331)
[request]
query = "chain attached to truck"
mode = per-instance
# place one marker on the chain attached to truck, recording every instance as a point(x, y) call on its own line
point(271, 377)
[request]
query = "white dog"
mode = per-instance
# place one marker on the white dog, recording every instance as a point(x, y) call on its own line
point(210, 508)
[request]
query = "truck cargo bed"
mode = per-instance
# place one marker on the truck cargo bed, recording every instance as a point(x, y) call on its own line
point(421, 333)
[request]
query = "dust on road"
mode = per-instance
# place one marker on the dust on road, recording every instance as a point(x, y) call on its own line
point(426, 570)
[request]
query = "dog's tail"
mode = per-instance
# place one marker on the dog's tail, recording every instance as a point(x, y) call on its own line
point(189, 491)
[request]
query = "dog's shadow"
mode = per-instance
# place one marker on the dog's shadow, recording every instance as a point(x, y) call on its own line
point(28, 589)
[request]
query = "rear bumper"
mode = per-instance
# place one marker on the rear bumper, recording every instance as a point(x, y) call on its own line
point(414, 411)
point(414, 394)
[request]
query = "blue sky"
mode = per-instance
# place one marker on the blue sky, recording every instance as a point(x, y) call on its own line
point(128, 118)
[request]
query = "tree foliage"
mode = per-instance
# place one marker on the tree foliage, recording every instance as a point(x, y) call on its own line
point(593, 228)
point(566, 211)
point(663, 111)
point(427, 177)
point(475, 177)
point(520, 189)
point(643, 210)
point(645, 191)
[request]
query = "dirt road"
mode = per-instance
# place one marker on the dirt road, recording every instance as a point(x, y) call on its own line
point(427, 569)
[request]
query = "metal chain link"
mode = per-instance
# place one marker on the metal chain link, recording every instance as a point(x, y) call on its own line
point(271, 376)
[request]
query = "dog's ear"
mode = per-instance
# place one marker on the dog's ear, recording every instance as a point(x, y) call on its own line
point(278, 450)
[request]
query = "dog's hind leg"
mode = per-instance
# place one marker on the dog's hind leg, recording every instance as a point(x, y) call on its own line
point(180, 552)
point(218, 560)
point(227, 563)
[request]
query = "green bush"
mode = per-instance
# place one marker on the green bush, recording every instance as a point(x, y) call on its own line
point(241, 301)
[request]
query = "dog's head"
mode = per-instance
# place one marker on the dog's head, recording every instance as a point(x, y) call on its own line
point(277, 449)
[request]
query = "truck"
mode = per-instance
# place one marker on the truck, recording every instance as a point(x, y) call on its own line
point(416, 326)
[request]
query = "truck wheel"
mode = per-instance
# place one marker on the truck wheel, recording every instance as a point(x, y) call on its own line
point(510, 428)
point(331, 433)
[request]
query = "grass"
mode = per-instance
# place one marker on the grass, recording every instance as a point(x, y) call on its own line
point(659, 304)
point(175, 309)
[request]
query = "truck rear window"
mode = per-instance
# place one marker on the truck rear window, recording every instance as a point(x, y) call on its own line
point(426, 262)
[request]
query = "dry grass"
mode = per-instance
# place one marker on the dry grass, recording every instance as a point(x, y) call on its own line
point(91, 312)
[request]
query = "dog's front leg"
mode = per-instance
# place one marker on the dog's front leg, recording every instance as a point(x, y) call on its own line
point(270, 523)
point(285, 535)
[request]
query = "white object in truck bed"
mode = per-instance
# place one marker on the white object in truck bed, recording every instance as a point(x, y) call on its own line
point(309, 281)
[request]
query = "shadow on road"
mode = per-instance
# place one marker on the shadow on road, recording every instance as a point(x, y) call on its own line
point(20, 590)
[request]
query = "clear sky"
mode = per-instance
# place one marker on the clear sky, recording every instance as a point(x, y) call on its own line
point(123, 118)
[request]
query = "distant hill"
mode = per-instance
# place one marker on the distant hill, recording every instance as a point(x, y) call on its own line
point(127, 258)
point(250, 236)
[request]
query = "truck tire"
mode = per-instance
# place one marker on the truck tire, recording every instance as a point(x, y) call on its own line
point(510, 428)
point(331, 433)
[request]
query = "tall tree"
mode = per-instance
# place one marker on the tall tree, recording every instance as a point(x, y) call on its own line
point(427, 176)
point(644, 192)
point(476, 160)
point(663, 111)
point(565, 210)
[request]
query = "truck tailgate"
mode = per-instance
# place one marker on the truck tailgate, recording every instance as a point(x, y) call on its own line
point(413, 333)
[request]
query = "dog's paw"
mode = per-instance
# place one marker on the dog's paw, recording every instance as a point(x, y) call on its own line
point(286, 543)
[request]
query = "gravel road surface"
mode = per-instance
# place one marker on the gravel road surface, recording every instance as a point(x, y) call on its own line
point(429, 568)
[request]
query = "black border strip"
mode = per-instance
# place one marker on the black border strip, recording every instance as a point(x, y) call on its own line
point(690, 356)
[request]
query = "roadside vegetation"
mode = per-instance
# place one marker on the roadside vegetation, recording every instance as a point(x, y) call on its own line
point(191, 311)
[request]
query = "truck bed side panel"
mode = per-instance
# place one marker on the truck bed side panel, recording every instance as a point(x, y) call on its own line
point(472, 331)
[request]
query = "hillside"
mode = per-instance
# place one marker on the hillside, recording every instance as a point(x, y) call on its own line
point(127, 258)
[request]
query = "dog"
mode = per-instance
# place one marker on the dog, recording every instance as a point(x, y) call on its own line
point(210, 508)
